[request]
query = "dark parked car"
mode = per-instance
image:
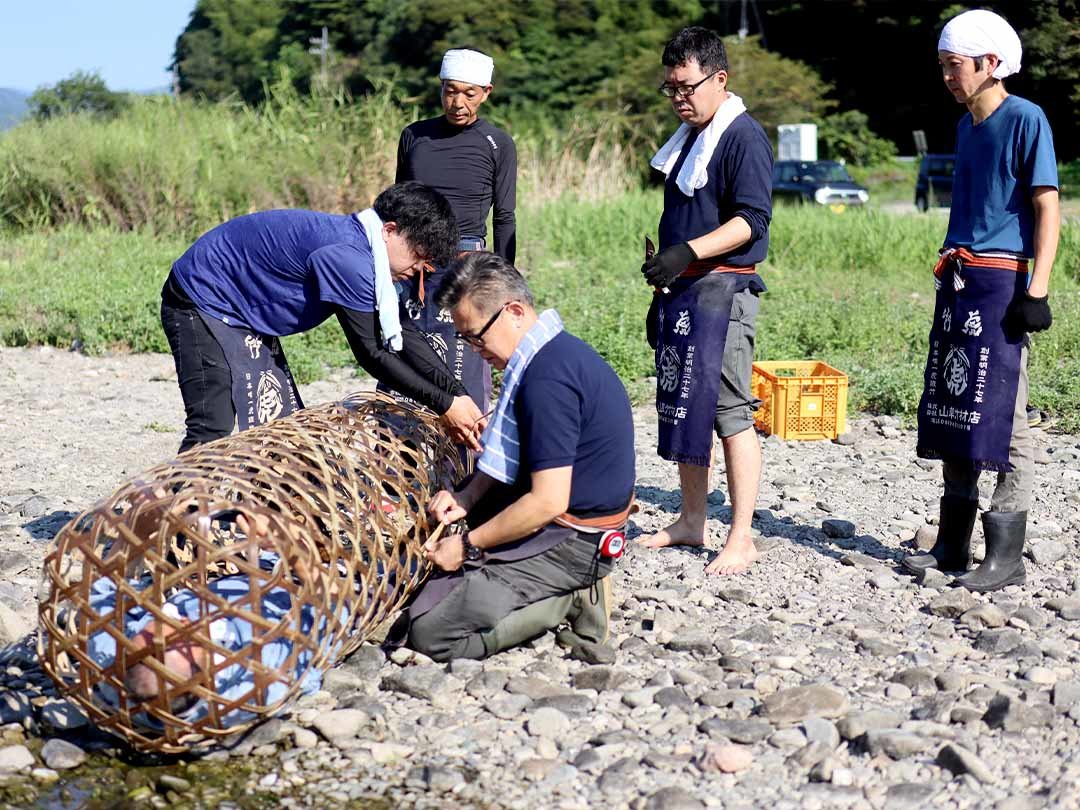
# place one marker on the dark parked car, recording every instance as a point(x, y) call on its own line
point(934, 184)
point(816, 181)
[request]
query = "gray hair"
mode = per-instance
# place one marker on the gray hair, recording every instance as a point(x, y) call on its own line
point(486, 279)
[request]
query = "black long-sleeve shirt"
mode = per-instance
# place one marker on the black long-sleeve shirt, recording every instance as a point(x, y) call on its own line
point(416, 371)
point(474, 167)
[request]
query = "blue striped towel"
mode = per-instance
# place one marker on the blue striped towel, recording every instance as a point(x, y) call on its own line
point(502, 450)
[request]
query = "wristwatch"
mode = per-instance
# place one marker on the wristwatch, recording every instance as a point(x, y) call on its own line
point(472, 553)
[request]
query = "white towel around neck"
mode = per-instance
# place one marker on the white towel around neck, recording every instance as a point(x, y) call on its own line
point(386, 296)
point(694, 173)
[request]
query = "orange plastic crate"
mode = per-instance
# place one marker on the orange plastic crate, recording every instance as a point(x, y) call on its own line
point(801, 399)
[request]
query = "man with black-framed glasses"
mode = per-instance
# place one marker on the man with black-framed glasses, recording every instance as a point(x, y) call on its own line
point(713, 232)
point(554, 484)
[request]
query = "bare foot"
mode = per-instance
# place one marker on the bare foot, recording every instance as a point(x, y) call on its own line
point(679, 533)
point(739, 554)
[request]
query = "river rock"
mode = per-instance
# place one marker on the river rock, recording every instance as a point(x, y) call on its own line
point(1046, 552)
point(998, 641)
point(599, 678)
point(341, 725)
point(952, 603)
point(507, 707)
point(984, 616)
point(673, 798)
point(1067, 608)
point(16, 759)
point(61, 755)
point(837, 528)
point(959, 760)
point(429, 683)
point(918, 679)
point(1012, 714)
point(593, 653)
point(740, 731)
point(856, 724)
point(547, 722)
point(895, 743)
point(910, 794)
point(1066, 694)
point(932, 579)
point(925, 537)
point(818, 729)
point(797, 703)
point(575, 704)
point(727, 758)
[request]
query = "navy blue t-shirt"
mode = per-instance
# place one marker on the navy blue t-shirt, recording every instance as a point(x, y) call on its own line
point(740, 185)
point(572, 410)
point(280, 272)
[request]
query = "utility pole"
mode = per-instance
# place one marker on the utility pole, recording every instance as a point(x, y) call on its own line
point(321, 46)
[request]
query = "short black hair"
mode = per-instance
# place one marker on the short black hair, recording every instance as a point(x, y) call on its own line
point(424, 218)
point(702, 45)
point(486, 279)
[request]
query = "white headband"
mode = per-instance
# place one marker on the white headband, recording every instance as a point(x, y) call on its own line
point(463, 65)
point(980, 32)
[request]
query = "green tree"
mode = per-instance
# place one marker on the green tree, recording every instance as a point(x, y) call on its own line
point(79, 93)
point(1052, 60)
point(775, 90)
point(227, 48)
point(847, 136)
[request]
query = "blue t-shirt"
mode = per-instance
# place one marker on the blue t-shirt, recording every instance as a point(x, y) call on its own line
point(740, 184)
point(999, 162)
point(572, 410)
point(279, 272)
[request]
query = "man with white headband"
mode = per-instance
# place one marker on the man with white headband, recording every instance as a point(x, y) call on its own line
point(474, 165)
point(713, 232)
point(993, 279)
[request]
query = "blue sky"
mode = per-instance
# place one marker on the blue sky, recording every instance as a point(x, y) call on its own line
point(129, 42)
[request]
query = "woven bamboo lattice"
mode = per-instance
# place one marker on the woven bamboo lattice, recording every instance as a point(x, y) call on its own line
point(304, 534)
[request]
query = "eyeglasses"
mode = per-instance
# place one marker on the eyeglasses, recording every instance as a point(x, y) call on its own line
point(477, 338)
point(683, 90)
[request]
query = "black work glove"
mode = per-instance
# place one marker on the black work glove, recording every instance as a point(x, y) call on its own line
point(668, 264)
point(1027, 314)
point(651, 321)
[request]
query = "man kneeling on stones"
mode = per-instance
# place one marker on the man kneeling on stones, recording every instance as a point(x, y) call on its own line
point(556, 477)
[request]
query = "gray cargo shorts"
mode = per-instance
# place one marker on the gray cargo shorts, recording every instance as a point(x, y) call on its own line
point(736, 405)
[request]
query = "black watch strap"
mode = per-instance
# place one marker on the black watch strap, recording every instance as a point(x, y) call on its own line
point(472, 553)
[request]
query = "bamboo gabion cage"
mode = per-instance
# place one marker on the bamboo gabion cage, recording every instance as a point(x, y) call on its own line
point(301, 536)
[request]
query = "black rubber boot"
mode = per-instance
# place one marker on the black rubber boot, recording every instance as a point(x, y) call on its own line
point(952, 549)
point(1004, 563)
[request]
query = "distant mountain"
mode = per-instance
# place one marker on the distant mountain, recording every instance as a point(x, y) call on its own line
point(12, 106)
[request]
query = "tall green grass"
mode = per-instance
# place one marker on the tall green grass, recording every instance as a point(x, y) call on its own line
point(177, 166)
point(853, 289)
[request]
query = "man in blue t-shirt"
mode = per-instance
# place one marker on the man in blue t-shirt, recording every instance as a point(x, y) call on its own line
point(1005, 213)
point(253, 279)
point(713, 232)
point(548, 505)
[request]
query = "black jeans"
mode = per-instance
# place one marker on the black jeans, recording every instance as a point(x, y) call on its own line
point(202, 372)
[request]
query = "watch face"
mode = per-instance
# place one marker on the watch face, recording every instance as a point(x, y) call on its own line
point(472, 553)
